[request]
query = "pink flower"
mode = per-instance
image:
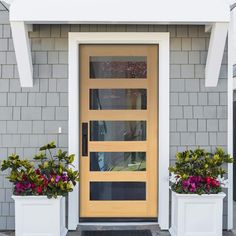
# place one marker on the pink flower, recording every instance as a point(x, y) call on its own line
point(39, 190)
point(208, 180)
point(215, 183)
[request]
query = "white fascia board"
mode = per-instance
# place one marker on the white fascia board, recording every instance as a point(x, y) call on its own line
point(216, 48)
point(23, 53)
point(117, 12)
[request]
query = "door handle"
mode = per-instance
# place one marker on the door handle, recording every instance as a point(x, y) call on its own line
point(84, 139)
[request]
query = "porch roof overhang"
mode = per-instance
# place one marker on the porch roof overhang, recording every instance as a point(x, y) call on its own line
point(215, 14)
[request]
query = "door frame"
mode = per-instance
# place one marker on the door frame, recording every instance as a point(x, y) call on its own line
point(75, 39)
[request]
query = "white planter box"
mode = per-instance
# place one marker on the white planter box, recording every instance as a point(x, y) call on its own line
point(39, 216)
point(196, 215)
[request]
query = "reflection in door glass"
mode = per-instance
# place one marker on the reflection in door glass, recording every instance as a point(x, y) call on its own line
point(118, 99)
point(117, 161)
point(117, 191)
point(120, 67)
point(117, 130)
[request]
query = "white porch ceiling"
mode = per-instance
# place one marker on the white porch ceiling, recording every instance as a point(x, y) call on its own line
point(213, 13)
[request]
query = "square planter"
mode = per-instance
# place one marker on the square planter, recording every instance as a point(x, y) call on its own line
point(196, 215)
point(39, 216)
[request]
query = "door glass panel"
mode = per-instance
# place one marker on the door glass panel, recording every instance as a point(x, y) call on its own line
point(117, 161)
point(119, 67)
point(117, 130)
point(118, 99)
point(117, 191)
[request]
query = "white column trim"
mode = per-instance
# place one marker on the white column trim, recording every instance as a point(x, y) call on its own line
point(73, 127)
point(231, 56)
point(75, 39)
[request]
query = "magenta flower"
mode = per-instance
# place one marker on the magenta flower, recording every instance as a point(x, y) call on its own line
point(192, 187)
point(185, 183)
point(19, 187)
point(57, 178)
point(64, 177)
point(27, 185)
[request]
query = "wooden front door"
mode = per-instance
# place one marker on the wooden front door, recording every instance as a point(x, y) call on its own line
point(118, 130)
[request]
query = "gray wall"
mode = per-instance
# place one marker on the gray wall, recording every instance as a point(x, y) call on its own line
point(31, 117)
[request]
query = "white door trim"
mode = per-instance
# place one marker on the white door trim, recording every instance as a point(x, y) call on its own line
point(75, 39)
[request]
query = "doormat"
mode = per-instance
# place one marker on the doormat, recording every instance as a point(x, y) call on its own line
point(118, 233)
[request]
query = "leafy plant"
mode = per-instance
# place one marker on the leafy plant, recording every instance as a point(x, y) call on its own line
point(197, 171)
point(49, 175)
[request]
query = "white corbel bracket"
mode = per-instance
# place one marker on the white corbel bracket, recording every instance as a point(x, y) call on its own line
point(218, 37)
point(208, 28)
point(23, 52)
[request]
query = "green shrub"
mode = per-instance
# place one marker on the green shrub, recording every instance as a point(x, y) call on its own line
point(49, 175)
point(197, 171)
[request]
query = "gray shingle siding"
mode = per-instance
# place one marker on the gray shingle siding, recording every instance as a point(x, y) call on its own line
point(30, 117)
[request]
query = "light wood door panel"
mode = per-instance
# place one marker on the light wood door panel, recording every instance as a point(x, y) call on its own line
point(145, 208)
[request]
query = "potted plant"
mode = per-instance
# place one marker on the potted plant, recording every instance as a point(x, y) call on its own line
point(39, 190)
point(197, 197)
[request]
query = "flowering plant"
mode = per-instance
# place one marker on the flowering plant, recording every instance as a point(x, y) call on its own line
point(199, 171)
point(49, 175)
